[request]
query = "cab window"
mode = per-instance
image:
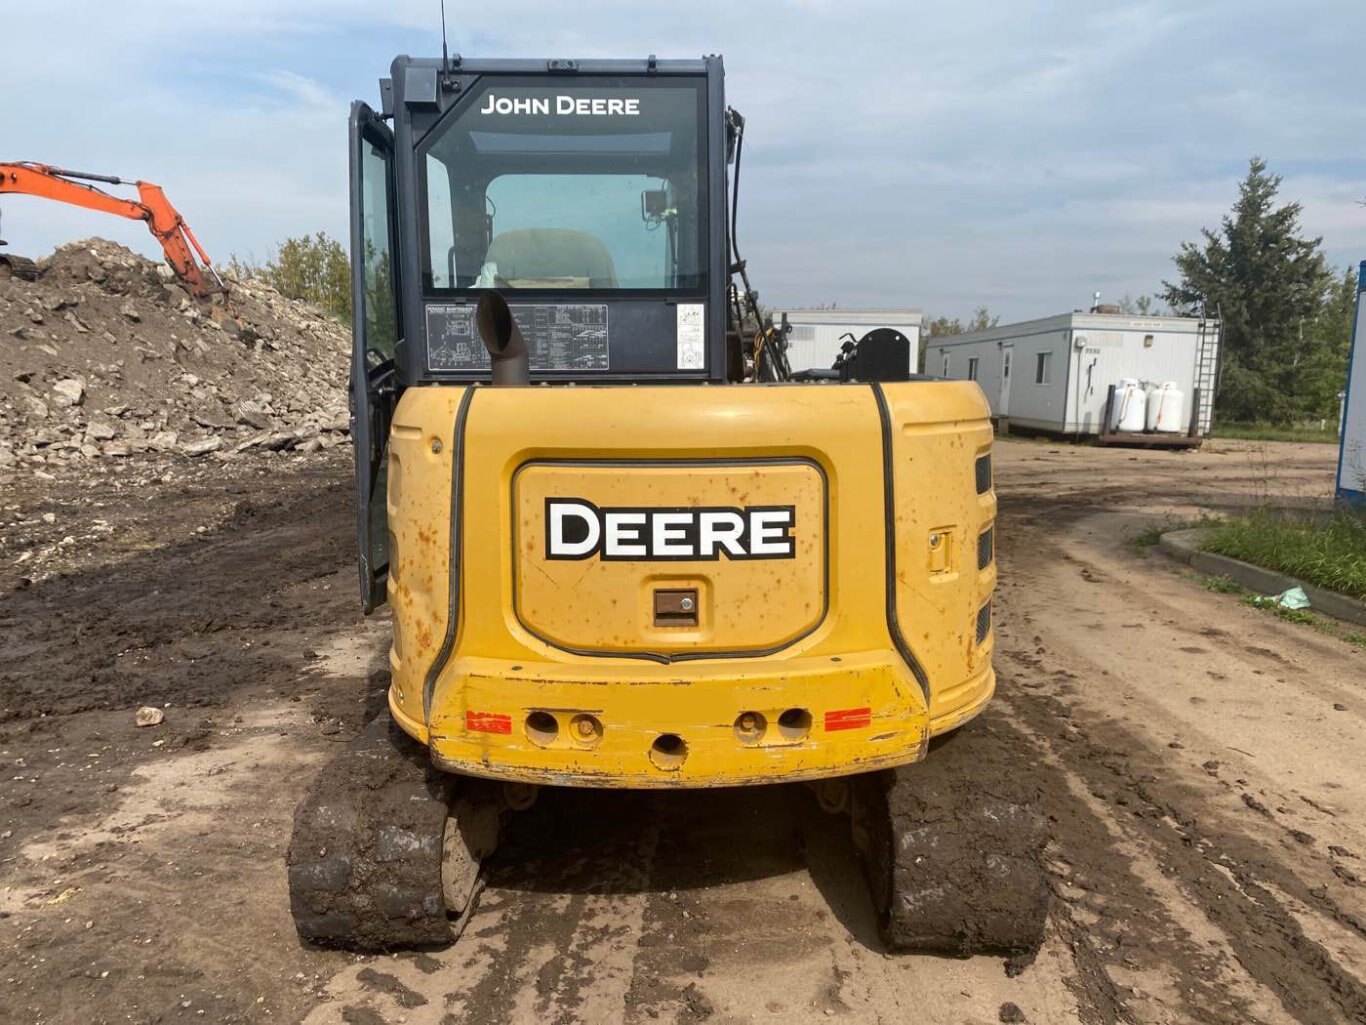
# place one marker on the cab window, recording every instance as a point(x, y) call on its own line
point(582, 185)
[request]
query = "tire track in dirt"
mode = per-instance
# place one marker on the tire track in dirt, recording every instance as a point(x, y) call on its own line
point(1228, 887)
point(553, 853)
point(553, 939)
point(160, 626)
point(1232, 877)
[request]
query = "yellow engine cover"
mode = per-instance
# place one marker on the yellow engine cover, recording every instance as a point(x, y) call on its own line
point(685, 585)
point(658, 527)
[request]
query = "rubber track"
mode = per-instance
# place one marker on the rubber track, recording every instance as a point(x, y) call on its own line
point(954, 851)
point(365, 858)
point(18, 267)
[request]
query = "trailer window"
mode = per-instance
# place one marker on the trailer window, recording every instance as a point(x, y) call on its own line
point(591, 184)
point(1043, 368)
point(946, 365)
point(972, 368)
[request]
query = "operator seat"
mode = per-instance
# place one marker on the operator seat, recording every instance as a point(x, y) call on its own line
point(551, 258)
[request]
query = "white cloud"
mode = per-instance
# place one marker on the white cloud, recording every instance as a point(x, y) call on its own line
point(937, 155)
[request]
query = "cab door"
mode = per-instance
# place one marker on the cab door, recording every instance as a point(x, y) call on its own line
point(376, 329)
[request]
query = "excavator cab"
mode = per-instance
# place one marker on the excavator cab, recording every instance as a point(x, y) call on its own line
point(12, 266)
point(590, 194)
point(621, 548)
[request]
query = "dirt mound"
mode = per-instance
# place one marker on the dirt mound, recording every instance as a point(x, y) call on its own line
point(105, 356)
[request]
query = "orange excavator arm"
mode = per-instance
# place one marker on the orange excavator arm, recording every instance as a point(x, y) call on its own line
point(152, 206)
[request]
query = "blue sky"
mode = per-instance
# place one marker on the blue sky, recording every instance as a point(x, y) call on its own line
point(934, 155)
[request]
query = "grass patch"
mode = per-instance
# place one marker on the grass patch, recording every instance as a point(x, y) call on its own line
point(1277, 432)
point(1268, 604)
point(1223, 585)
point(1329, 554)
point(1150, 537)
point(1146, 539)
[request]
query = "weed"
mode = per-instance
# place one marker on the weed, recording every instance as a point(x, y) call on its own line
point(1146, 539)
point(1268, 604)
point(1223, 585)
point(1150, 537)
point(1295, 616)
point(1271, 432)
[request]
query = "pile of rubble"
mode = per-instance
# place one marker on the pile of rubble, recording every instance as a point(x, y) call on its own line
point(104, 356)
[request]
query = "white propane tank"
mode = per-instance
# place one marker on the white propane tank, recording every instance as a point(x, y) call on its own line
point(1129, 409)
point(1152, 402)
point(1166, 406)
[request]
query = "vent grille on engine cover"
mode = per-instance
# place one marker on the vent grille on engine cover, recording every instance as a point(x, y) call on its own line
point(985, 548)
point(984, 474)
point(983, 622)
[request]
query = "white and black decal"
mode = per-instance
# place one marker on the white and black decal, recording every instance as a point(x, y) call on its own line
point(562, 106)
point(578, 529)
point(561, 336)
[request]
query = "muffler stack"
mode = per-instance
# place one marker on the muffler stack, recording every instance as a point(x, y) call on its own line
point(503, 339)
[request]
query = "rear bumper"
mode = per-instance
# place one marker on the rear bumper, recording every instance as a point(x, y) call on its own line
point(856, 714)
point(957, 705)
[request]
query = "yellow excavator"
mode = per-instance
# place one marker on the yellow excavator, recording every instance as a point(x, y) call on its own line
point(624, 545)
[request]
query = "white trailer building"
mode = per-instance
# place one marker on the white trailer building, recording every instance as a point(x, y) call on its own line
point(815, 338)
point(1055, 374)
point(1352, 454)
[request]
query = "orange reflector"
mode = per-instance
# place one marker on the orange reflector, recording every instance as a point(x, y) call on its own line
point(488, 722)
point(848, 719)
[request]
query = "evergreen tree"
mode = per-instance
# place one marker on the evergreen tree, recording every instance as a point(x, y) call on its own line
point(1330, 340)
point(1269, 285)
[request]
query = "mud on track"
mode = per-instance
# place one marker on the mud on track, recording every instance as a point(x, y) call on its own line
point(1201, 760)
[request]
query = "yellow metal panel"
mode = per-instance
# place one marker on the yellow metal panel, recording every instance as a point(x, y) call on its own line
point(937, 435)
point(743, 604)
point(697, 702)
point(419, 546)
point(466, 678)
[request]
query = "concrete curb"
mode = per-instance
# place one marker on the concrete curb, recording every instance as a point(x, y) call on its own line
point(1184, 546)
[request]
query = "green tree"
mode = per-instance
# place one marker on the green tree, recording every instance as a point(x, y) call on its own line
point(938, 327)
point(313, 268)
point(1143, 306)
point(982, 319)
point(243, 269)
point(1329, 341)
point(1269, 285)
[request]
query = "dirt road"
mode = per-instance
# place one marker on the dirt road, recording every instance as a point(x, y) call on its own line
point(1203, 762)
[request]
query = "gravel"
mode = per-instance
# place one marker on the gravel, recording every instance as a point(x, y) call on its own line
point(103, 356)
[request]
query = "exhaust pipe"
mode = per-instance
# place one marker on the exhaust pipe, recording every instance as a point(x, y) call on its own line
point(500, 335)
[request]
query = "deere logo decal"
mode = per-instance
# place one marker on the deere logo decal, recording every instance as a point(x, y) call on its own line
point(575, 528)
point(580, 106)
